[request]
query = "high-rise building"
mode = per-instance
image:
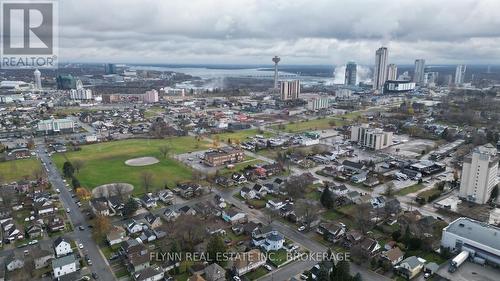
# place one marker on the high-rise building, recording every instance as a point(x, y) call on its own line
point(289, 90)
point(431, 78)
point(392, 72)
point(405, 76)
point(418, 75)
point(350, 74)
point(110, 68)
point(276, 60)
point(460, 74)
point(479, 174)
point(150, 96)
point(65, 82)
point(380, 71)
point(38, 79)
point(372, 138)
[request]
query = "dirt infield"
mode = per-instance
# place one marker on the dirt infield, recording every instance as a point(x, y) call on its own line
point(141, 161)
point(107, 190)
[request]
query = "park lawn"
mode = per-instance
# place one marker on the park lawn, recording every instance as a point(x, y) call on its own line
point(105, 162)
point(153, 112)
point(430, 192)
point(409, 189)
point(18, 169)
point(320, 124)
point(241, 135)
point(257, 273)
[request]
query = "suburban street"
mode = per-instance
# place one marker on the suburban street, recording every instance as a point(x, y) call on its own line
point(100, 264)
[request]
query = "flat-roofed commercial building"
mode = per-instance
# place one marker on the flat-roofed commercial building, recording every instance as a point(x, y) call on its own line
point(223, 156)
point(478, 238)
point(55, 126)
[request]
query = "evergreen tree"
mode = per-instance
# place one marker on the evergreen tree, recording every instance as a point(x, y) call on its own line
point(68, 169)
point(215, 248)
point(327, 198)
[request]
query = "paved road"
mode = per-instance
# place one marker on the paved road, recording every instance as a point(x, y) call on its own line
point(100, 264)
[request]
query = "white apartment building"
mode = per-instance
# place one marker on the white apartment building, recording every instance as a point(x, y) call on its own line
point(80, 94)
point(290, 90)
point(317, 102)
point(380, 71)
point(150, 96)
point(479, 174)
point(373, 138)
point(460, 74)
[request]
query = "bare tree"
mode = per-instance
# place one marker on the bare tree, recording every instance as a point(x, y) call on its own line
point(189, 229)
point(146, 180)
point(164, 150)
point(389, 189)
point(121, 191)
point(307, 211)
point(78, 165)
point(362, 217)
point(296, 186)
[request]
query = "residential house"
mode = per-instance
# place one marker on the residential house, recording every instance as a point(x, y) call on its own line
point(100, 206)
point(64, 265)
point(149, 274)
point(45, 207)
point(34, 230)
point(116, 235)
point(233, 215)
point(189, 190)
point(369, 246)
point(170, 214)
point(166, 196)
point(55, 224)
point(42, 256)
point(248, 193)
point(62, 247)
point(14, 261)
point(410, 267)
point(394, 255)
point(353, 167)
point(138, 261)
point(116, 203)
point(132, 226)
point(378, 202)
point(148, 235)
point(249, 261)
point(214, 272)
point(224, 181)
point(352, 237)
point(260, 190)
point(268, 239)
point(148, 201)
point(186, 210)
point(153, 221)
point(332, 232)
point(131, 246)
point(219, 201)
point(274, 205)
point(238, 178)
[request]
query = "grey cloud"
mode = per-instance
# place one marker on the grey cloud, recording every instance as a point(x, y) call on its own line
point(320, 31)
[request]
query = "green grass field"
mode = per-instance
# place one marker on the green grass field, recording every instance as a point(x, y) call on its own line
point(18, 169)
point(320, 124)
point(241, 135)
point(409, 189)
point(105, 163)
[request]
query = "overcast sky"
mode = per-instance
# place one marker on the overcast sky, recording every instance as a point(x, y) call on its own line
point(300, 31)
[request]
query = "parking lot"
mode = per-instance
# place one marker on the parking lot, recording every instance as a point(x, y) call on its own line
point(470, 272)
point(194, 160)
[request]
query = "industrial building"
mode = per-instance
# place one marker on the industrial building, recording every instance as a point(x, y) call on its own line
point(51, 126)
point(479, 239)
